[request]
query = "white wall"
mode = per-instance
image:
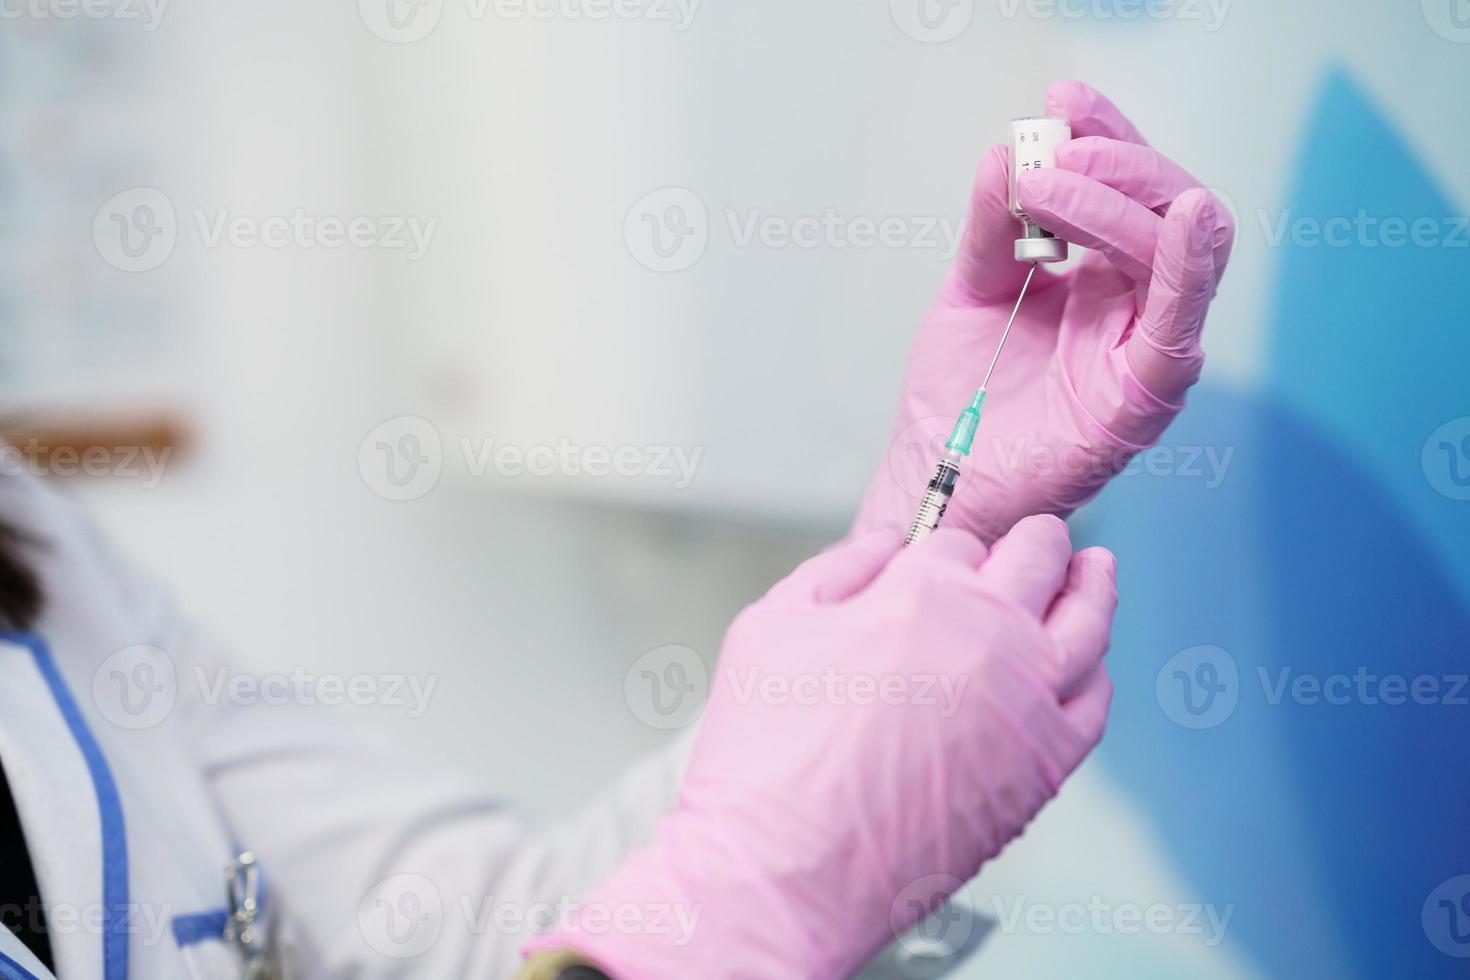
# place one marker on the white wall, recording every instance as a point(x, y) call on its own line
point(531, 321)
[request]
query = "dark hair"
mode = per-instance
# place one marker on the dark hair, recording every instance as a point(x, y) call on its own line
point(20, 586)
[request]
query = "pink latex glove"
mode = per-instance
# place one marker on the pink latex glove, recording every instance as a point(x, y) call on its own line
point(802, 819)
point(1100, 357)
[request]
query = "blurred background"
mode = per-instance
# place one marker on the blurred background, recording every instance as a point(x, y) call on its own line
point(491, 340)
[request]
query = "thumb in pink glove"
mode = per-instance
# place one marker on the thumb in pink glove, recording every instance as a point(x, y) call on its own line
point(1100, 357)
point(879, 718)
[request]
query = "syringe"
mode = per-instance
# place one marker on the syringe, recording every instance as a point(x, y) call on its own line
point(961, 438)
point(1034, 142)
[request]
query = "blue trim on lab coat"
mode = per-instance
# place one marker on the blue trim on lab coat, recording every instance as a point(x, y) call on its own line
point(11, 970)
point(109, 805)
point(200, 927)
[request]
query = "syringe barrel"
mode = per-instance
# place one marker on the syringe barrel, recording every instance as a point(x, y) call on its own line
point(935, 500)
point(1034, 142)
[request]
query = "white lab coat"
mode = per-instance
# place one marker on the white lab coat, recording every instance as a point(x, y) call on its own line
point(135, 794)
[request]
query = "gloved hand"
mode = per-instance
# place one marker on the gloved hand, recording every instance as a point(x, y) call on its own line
point(880, 716)
point(1100, 357)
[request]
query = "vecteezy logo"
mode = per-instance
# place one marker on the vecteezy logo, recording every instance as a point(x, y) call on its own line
point(914, 451)
point(1446, 917)
point(1229, 202)
point(667, 230)
point(135, 230)
point(930, 921)
point(402, 915)
point(1450, 19)
point(402, 458)
point(932, 21)
point(1446, 459)
point(136, 687)
point(401, 21)
point(666, 687)
point(1198, 687)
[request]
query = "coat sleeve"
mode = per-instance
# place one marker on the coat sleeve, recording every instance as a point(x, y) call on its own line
point(387, 866)
point(378, 862)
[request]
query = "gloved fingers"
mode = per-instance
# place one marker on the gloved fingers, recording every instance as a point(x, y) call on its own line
point(1140, 172)
point(1147, 176)
point(952, 545)
point(986, 265)
point(840, 572)
point(1090, 112)
point(1087, 710)
point(1164, 348)
point(1093, 215)
point(1029, 564)
point(951, 550)
point(1080, 621)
